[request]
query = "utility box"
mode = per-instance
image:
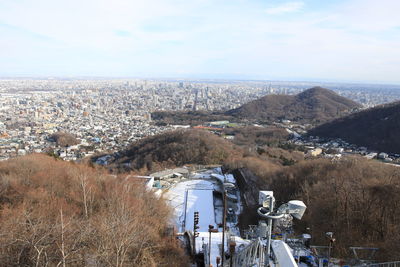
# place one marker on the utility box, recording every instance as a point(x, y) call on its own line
point(263, 198)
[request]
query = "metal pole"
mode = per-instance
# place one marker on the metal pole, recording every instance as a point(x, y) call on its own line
point(209, 248)
point(271, 208)
point(232, 248)
point(329, 252)
point(331, 240)
point(194, 240)
point(223, 229)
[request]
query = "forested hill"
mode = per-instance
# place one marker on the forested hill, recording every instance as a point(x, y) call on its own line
point(175, 148)
point(315, 105)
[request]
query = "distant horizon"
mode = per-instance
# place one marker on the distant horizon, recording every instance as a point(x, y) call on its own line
point(198, 78)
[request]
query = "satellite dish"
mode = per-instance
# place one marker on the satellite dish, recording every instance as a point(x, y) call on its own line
point(296, 208)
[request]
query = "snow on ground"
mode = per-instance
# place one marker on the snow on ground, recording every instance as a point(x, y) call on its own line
point(218, 170)
point(219, 177)
point(201, 201)
point(201, 175)
point(230, 179)
point(176, 196)
point(226, 178)
point(206, 174)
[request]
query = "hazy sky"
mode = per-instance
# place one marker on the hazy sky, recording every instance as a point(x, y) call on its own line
point(353, 40)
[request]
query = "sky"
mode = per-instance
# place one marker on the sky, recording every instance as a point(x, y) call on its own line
point(333, 40)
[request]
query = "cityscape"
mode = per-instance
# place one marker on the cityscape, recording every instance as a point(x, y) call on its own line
point(107, 115)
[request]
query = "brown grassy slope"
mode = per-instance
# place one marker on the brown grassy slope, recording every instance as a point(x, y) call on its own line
point(314, 106)
point(376, 128)
point(53, 212)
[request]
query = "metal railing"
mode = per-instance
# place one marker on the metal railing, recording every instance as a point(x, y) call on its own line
point(251, 255)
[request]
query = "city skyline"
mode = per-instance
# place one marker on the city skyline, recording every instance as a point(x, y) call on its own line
point(351, 41)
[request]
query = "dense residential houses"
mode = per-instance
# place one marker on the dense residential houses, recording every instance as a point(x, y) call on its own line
point(336, 148)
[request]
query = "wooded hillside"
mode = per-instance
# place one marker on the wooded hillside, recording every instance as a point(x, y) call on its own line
point(55, 213)
point(376, 128)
